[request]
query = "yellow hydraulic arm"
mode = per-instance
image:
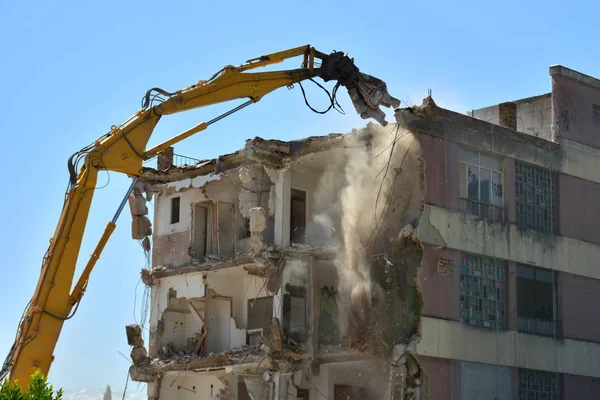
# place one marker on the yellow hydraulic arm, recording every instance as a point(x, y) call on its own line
point(123, 149)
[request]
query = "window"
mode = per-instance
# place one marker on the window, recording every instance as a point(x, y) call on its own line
point(175, 205)
point(536, 300)
point(298, 216)
point(539, 385)
point(535, 190)
point(482, 291)
point(481, 184)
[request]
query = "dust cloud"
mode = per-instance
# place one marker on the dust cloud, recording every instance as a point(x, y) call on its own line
point(371, 190)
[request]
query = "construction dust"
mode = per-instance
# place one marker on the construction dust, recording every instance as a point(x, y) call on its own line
point(375, 188)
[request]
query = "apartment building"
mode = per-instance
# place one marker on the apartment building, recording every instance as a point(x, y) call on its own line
point(448, 256)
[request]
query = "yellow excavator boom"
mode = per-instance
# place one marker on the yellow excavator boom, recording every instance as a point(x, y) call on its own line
point(123, 149)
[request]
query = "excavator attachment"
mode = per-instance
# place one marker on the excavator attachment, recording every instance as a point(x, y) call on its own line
point(367, 93)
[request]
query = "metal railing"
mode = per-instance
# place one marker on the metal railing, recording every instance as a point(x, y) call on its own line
point(180, 161)
point(538, 326)
point(482, 210)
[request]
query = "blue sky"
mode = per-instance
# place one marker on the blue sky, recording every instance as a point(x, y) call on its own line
point(70, 70)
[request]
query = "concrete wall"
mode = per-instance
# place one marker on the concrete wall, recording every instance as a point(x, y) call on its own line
point(373, 375)
point(534, 116)
point(441, 171)
point(443, 377)
point(581, 387)
point(489, 114)
point(453, 340)
point(578, 209)
point(481, 381)
point(441, 227)
point(580, 297)
point(198, 386)
point(573, 97)
point(440, 290)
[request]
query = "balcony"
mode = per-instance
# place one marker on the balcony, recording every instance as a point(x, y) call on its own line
point(539, 326)
point(482, 210)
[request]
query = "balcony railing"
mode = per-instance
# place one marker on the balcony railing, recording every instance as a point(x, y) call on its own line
point(180, 161)
point(482, 210)
point(539, 326)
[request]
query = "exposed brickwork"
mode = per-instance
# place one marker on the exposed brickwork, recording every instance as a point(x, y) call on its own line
point(508, 115)
point(165, 159)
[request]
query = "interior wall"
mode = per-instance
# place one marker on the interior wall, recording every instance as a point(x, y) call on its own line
point(189, 385)
point(370, 374)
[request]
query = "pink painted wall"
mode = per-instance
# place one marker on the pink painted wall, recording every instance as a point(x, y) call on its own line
point(443, 377)
point(509, 190)
point(573, 113)
point(171, 249)
point(578, 215)
point(581, 387)
point(440, 291)
point(511, 297)
point(580, 297)
point(441, 171)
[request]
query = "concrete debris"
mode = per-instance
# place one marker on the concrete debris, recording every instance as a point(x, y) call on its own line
point(140, 227)
point(146, 244)
point(276, 334)
point(138, 354)
point(134, 335)
point(258, 224)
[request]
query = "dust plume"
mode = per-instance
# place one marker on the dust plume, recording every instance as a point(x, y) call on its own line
point(372, 190)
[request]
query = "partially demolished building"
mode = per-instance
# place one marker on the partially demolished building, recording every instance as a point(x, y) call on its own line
point(442, 257)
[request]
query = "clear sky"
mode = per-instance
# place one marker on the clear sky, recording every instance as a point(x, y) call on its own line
point(71, 69)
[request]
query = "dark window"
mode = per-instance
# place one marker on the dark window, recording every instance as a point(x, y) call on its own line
point(303, 394)
point(535, 190)
point(536, 300)
point(298, 216)
point(482, 291)
point(175, 205)
point(539, 385)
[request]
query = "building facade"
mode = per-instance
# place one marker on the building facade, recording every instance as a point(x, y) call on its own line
point(448, 256)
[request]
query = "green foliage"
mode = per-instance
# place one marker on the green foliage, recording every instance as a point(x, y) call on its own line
point(39, 389)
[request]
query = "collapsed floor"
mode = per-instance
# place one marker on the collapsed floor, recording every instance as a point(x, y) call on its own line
point(345, 299)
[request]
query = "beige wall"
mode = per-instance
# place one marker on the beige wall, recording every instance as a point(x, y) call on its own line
point(452, 340)
point(441, 227)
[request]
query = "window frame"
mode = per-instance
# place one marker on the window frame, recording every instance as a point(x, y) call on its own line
point(479, 167)
point(175, 218)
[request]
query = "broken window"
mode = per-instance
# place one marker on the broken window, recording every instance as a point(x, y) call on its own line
point(539, 385)
point(481, 184)
point(175, 206)
point(482, 291)
point(298, 216)
point(536, 300)
point(535, 190)
point(260, 314)
point(201, 232)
